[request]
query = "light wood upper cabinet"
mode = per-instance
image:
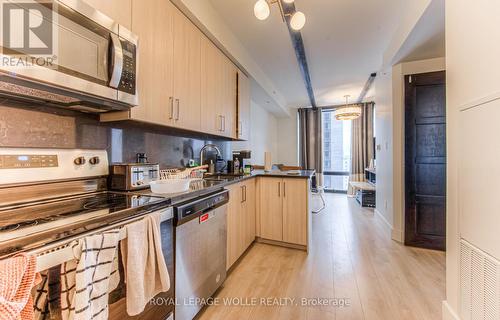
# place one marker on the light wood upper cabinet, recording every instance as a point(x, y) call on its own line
point(118, 10)
point(271, 208)
point(295, 195)
point(212, 122)
point(183, 80)
point(243, 115)
point(227, 108)
point(187, 74)
point(218, 91)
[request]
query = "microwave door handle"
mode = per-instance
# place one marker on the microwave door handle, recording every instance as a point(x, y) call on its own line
point(116, 60)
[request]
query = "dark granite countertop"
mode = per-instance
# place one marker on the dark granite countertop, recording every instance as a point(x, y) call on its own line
point(202, 187)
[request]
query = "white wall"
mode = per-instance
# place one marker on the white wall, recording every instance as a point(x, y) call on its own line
point(384, 152)
point(389, 99)
point(263, 134)
point(473, 99)
point(288, 140)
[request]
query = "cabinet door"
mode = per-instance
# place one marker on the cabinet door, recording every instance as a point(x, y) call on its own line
point(187, 73)
point(152, 21)
point(295, 211)
point(118, 10)
point(250, 211)
point(243, 124)
point(271, 208)
point(228, 97)
point(233, 224)
point(211, 120)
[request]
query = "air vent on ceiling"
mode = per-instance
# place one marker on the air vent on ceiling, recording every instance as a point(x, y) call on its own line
point(479, 284)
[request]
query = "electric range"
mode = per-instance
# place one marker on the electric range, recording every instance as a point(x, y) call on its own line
point(27, 225)
point(50, 195)
point(51, 198)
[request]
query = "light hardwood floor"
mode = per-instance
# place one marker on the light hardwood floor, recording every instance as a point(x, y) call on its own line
point(352, 257)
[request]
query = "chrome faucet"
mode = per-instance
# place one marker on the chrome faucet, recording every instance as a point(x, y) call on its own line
point(208, 146)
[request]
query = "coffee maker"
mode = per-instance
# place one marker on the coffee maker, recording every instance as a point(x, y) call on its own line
point(243, 157)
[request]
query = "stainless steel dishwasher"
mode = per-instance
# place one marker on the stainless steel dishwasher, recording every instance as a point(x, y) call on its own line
point(200, 251)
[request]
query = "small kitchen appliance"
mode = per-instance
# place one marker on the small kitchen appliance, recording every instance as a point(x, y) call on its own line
point(133, 176)
point(243, 157)
point(94, 60)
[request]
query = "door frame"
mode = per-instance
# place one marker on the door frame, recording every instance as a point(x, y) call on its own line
point(395, 77)
point(405, 207)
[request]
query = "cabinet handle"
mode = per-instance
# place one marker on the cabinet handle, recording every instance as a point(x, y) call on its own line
point(220, 123)
point(279, 189)
point(171, 99)
point(224, 123)
point(178, 109)
point(240, 128)
point(242, 194)
point(284, 189)
point(245, 193)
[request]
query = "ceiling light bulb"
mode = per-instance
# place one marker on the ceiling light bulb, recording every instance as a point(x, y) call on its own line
point(288, 1)
point(261, 10)
point(298, 20)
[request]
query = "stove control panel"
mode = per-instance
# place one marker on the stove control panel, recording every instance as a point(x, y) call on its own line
point(23, 165)
point(24, 161)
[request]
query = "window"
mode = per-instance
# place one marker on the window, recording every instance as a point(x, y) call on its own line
point(336, 153)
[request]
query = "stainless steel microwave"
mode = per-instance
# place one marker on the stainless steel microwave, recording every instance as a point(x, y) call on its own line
point(94, 65)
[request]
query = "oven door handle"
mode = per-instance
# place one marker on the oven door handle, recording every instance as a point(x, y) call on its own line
point(115, 61)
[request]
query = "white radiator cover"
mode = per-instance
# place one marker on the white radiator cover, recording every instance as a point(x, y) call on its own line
point(479, 284)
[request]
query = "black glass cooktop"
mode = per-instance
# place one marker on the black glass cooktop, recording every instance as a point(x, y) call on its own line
point(72, 209)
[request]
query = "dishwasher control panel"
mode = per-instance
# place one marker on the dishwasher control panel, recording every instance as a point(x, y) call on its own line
point(200, 207)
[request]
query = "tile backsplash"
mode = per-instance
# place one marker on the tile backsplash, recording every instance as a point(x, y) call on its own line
point(28, 126)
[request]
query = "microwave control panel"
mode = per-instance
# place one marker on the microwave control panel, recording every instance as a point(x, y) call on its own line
point(129, 72)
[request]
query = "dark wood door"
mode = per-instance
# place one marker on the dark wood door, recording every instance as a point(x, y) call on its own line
point(425, 160)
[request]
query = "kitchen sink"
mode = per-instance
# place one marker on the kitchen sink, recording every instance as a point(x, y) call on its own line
point(222, 177)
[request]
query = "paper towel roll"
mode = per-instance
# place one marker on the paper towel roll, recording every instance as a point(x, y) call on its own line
point(267, 161)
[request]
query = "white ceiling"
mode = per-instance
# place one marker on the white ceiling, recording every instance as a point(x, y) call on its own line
point(344, 41)
point(427, 39)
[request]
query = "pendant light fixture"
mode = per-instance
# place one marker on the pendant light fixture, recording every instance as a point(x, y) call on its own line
point(348, 112)
point(262, 10)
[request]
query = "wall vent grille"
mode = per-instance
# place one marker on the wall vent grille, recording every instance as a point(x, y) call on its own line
point(479, 284)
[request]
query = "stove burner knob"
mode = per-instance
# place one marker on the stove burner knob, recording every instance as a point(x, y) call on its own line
point(94, 160)
point(80, 161)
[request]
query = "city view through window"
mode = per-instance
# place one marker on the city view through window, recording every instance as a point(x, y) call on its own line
point(336, 153)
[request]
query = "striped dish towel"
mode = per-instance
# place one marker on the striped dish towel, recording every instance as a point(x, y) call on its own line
point(17, 279)
point(87, 280)
point(47, 301)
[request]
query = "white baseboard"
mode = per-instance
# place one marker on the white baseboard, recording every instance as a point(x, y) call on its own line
point(397, 235)
point(448, 313)
point(386, 223)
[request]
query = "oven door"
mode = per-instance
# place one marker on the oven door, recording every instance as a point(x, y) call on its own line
point(92, 53)
point(162, 306)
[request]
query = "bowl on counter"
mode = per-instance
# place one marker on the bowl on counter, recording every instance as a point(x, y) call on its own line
point(170, 185)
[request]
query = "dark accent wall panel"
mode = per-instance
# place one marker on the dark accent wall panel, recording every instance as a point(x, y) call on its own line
point(43, 127)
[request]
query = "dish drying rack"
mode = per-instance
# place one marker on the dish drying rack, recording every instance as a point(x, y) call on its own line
point(184, 173)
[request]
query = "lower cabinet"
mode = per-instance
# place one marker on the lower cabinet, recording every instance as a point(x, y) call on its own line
point(240, 219)
point(283, 209)
point(270, 208)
